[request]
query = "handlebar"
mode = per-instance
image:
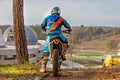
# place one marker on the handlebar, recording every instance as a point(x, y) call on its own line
point(66, 31)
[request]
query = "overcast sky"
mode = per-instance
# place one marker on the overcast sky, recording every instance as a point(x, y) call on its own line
point(77, 12)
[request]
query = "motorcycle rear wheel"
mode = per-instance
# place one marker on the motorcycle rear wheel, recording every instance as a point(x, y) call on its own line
point(55, 62)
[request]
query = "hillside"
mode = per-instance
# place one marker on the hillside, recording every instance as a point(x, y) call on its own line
point(101, 45)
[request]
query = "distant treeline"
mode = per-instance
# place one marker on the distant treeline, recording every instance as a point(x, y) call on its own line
point(39, 32)
point(80, 33)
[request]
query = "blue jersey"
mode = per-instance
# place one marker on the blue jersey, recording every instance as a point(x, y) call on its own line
point(48, 22)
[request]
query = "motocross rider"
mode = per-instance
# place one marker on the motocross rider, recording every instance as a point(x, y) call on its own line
point(52, 26)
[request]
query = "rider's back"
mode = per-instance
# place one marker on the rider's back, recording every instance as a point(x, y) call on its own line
point(52, 20)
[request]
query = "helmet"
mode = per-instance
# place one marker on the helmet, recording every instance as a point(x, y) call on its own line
point(55, 10)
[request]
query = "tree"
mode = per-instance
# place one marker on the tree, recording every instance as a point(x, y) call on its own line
point(39, 32)
point(19, 32)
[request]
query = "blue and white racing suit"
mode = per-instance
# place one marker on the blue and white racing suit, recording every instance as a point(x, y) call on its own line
point(47, 23)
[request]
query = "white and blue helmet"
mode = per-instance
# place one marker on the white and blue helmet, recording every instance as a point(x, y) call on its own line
point(55, 10)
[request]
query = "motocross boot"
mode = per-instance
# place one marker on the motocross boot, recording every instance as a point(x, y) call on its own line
point(63, 57)
point(44, 63)
point(65, 47)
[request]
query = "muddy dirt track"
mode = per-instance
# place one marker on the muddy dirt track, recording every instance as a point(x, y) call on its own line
point(87, 74)
point(74, 74)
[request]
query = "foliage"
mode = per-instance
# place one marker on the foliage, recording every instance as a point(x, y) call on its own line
point(98, 31)
point(90, 54)
point(85, 59)
point(38, 31)
point(18, 70)
point(112, 44)
point(108, 45)
point(83, 33)
point(116, 56)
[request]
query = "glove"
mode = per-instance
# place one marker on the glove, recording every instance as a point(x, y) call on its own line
point(44, 30)
point(69, 30)
point(66, 31)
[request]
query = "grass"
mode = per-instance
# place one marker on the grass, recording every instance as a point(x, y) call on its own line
point(86, 56)
point(85, 59)
point(90, 54)
point(19, 70)
point(88, 62)
point(116, 56)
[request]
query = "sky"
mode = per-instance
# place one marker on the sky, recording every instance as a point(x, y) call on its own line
point(76, 12)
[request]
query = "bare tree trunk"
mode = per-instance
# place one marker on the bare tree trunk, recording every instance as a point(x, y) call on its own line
point(19, 32)
point(101, 35)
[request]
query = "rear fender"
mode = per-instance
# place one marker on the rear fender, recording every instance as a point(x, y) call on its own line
point(55, 43)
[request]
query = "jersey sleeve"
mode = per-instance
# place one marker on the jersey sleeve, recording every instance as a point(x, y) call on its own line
point(44, 23)
point(67, 25)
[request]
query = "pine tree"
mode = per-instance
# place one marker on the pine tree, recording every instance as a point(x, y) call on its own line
point(19, 32)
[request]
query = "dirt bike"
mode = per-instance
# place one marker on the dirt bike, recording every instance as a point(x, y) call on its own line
point(56, 49)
